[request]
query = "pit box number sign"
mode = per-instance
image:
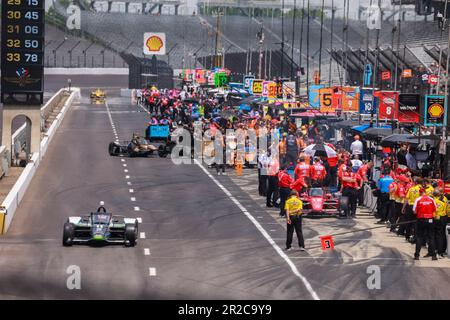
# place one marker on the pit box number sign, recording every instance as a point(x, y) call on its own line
point(22, 52)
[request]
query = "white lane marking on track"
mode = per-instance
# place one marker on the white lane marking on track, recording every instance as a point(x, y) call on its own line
point(129, 183)
point(127, 177)
point(123, 160)
point(133, 199)
point(139, 219)
point(131, 190)
point(152, 272)
point(124, 164)
point(142, 235)
point(263, 232)
point(137, 209)
point(147, 251)
point(125, 170)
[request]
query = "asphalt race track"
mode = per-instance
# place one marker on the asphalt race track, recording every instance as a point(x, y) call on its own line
point(196, 242)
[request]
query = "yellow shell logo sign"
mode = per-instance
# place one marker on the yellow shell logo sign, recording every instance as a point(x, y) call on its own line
point(436, 110)
point(154, 43)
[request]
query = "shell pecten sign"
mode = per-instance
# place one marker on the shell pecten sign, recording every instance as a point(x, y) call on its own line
point(154, 43)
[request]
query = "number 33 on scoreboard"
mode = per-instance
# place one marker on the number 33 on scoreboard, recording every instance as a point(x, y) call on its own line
point(13, 57)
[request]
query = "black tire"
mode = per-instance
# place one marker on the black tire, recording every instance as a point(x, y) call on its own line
point(68, 234)
point(112, 149)
point(130, 235)
point(162, 152)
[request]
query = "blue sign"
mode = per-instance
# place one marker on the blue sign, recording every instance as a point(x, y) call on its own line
point(159, 131)
point(314, 95)
point(365, 102)
point(247, 83)
point(367, 74)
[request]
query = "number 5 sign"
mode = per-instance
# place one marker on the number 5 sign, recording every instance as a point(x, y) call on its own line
point(326, 100)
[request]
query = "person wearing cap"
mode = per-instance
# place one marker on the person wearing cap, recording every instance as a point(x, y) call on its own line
point(294, 208)
point(363, 172)
point(440, 221)
point(399, 199)
point(425, 210)
point(318, 173)
point(351, 183)
point(413, 193)
point(284, 183)
point(302, 169)
point(383, 186)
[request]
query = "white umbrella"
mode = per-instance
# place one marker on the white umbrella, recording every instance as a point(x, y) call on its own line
point(319, 150)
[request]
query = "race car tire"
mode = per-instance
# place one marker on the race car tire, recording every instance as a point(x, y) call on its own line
point(162, 152)
point(112, 149)
point(68, 234)
point(130, 235)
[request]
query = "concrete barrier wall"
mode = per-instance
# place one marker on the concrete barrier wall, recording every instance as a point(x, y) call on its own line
point(48, 107)
point(16, 194)
point(86, 71)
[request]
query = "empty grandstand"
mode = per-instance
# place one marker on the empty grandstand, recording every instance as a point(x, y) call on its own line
point(193, 40)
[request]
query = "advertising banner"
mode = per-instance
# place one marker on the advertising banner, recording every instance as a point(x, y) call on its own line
point(435, 113)
point(387, 102)
point(154, 43)
point(337, 98)
point(326, 100)
point(314, 96)
point(367, 102)
point(409, 107)
point(272, 89)
point(210, 77)
point(257, 87)
point(247, 81)
point(289, 91)
point(220, 79)
point(250, 85)
point(350, 99)
point(200, 76)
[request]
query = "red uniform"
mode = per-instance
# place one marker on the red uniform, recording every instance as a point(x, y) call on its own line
point(362, 171)
point(342, 168)
point(332, 161)
point(352, 175)
point(284, 180)
point(424, 207)
point(318, 171)
point(400, 193)
point(299, 184)
point(302, 170)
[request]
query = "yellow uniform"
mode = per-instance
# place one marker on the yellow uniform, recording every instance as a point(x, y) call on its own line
point(441, 207)
point(294, 206)
point(429, 189)
point(412, 194)
point(448, 206)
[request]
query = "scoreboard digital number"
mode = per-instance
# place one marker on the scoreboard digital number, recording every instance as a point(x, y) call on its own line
point(22, 52)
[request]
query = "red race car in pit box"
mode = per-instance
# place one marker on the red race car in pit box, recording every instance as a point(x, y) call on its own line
point(318, 203)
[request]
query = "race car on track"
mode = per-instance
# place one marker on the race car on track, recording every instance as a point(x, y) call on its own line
point(316, 202)
point(100, 227)
point(137, 147)
point(98, 96)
